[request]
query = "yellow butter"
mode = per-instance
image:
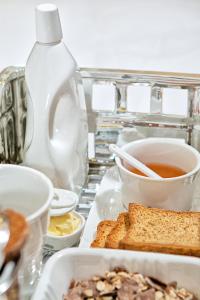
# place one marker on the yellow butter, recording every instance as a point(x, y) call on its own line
point(63, 225)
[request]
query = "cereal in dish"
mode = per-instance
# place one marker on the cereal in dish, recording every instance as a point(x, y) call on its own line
point(123, 285)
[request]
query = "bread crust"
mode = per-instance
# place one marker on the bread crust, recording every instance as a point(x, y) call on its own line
point(156, 247)
point(118, 232)
point(103, 229)
point(133, 206)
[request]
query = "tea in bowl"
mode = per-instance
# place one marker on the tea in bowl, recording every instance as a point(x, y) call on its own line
point(176, 162)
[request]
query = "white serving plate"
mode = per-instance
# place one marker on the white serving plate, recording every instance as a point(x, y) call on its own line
point(76, 263)
point(89, 231)
point(68, 240)
point(107, 205)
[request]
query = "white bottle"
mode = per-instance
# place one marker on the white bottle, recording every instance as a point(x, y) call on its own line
point(56, 132)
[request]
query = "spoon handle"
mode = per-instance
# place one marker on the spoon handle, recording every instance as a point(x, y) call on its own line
point(133, 161)
point(4, 236)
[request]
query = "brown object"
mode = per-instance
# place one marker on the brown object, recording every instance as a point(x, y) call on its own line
point(121, 284)
point(158, 230)
point(18, 233)
point(13, 292)
point(151, 229)
point(118, 232)
point(103, 229)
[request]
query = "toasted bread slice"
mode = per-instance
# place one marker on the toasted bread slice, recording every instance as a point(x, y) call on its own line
point(157, 230)
point(118, 232)
point(19, 230)
point(103, 229)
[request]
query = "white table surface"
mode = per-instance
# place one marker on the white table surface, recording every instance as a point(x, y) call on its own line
point(143, 34)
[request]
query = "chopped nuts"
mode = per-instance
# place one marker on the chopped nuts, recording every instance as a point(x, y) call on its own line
point(117, 283)
point(88, 293)
point(96, 278)
point(122, 285)
point(110, 274)
point(109, 287)
point(100, 286)
point(171, 292)
point(124, 274)
point(159, 296)
point(183, 294)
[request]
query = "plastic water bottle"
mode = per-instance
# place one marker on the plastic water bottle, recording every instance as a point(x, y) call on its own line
point(56, 131)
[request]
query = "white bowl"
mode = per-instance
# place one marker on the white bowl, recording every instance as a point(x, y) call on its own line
point(68, 240)
point(168, 193)
point(29, 192)
point(76, 263)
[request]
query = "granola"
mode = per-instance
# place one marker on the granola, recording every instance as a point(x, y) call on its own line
point(120, 284)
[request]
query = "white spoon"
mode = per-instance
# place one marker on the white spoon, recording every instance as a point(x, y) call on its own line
point(133, 161)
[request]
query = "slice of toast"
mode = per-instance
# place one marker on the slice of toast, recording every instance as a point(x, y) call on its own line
point(103, 229)
point(157, 230)
point(118, 232)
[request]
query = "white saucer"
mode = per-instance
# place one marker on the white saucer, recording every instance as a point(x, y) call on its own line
point(63, 202)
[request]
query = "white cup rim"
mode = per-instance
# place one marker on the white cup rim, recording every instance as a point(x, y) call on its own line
point(166, 141)
point(32, 217)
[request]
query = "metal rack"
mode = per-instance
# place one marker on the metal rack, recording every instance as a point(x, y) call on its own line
point(108, 125)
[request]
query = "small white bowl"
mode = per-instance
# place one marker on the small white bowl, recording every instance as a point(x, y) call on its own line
point(68, 240)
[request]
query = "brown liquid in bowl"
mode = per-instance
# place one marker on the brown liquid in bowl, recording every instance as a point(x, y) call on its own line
point(164, 170)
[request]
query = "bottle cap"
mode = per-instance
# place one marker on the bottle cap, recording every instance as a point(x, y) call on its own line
point(48, 27)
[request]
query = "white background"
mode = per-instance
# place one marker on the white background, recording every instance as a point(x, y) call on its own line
point(142, 34)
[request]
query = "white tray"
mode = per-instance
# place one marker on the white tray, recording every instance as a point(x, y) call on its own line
point(107, 205)
point(77, 263)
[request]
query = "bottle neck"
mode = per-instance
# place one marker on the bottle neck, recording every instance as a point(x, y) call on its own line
point(49, 44)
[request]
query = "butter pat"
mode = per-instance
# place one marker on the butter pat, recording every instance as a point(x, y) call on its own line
point(64, 224)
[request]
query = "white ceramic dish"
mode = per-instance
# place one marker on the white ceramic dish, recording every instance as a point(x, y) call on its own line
point(29, 192)
point(89, 231)
point(169, 193)
point(69, 240)
point(63, 202)
point(77, 263)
